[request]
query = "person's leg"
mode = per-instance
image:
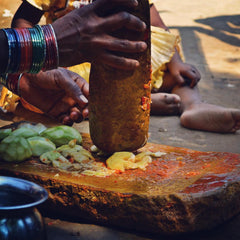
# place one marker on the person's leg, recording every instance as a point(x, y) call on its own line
point(198, 115)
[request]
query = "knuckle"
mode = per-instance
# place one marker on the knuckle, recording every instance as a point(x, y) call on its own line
point(125, 63)
point(125, 16)
point(125, 44)
point(120, 61)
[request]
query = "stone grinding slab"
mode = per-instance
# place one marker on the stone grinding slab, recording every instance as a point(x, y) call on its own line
point(183, 191)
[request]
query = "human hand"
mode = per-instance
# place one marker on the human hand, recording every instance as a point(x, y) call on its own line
point(84, 35)
point(59, 93)
point(183, 73)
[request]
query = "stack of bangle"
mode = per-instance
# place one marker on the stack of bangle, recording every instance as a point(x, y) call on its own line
point(11, 82)
point(51, 58)
point(31, 49)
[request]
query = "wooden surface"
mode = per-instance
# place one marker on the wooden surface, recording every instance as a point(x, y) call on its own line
point(183, 191)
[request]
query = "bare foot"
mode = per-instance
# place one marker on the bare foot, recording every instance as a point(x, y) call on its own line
point(212, 118)
point(165, 104)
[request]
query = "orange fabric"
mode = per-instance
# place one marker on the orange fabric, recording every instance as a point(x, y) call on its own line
point(30, 107)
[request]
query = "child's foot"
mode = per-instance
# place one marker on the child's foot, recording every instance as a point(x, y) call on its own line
point(165, 104)
point(211, 118)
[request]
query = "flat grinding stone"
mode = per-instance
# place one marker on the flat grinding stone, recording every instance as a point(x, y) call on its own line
point(181, 192)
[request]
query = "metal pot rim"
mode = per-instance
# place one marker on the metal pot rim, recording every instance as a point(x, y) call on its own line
point(21, 186)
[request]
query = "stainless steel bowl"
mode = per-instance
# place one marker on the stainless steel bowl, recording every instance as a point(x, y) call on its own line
point(19, 217)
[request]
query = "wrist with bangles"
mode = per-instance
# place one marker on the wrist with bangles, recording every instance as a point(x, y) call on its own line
point(11, 81)
point(29, 50)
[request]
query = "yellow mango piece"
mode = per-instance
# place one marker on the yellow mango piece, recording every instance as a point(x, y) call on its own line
point(120, 160)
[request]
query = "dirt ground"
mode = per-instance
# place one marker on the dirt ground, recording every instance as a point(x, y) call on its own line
point(210, 33)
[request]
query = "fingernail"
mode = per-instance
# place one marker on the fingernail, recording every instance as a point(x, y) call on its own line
point(144, 25)
point(85, 113)
point(143, 46)
point(137, 64)
point(83, 98)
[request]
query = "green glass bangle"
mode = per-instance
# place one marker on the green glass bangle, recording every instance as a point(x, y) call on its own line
point(38, 49)
point(42, 45)
point(43, 42)
point(34, 65)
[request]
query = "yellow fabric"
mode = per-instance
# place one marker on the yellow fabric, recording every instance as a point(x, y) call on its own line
point(82, 69)
point(8, 100)
point(163, 45)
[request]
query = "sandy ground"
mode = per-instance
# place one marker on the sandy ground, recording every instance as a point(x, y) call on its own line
point(210, 33)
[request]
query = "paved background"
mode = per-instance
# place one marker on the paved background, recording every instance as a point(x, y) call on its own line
point(210, 32)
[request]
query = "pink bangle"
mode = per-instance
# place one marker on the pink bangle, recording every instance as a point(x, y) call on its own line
point(52, 58)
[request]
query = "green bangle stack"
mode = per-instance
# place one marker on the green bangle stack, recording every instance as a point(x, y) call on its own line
point(31, 49)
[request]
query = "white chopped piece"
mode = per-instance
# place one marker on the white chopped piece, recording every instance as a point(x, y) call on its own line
point(158, 154)
point(94, 149)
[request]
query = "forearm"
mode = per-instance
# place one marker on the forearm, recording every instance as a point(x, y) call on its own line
point(156, 19)
point(3, 52)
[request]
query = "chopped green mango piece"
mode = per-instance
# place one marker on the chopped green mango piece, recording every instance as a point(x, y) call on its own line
point(39, 127)
point(77, 152)
point(40, 145)
point(61, 135)
point(24, 132)
point(49, 157)
point(70, 146)
point(15, 149)
point(4, 133)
